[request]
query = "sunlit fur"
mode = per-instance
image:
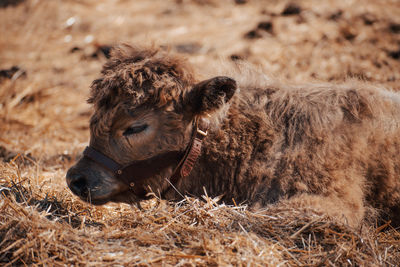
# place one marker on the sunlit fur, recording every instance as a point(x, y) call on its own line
point(333, 148)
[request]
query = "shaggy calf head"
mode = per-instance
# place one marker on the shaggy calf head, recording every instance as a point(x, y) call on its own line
point(144, 106)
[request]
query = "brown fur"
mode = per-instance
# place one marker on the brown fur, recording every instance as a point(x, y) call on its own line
point(330, 148)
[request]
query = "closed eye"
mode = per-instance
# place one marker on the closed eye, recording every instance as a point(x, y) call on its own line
point(135, 129)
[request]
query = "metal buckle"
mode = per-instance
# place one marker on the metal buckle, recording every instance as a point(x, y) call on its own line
point(202, 132)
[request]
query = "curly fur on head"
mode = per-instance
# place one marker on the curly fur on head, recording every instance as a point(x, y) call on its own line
point(141, 77)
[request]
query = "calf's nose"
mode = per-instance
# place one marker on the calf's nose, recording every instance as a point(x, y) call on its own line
point(78, 183)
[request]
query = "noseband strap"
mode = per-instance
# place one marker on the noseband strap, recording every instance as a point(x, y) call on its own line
point(137, 172)
point(102, 159)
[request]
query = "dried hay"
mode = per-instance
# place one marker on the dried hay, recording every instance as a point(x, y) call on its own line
point(56, 230)
point(44, 127)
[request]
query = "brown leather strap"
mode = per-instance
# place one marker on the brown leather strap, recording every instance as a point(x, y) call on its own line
point(102, 159)
point(193, 151)
point(141, 170)
point(136, 174)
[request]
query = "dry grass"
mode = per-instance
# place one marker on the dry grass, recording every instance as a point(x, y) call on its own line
point(44, 127)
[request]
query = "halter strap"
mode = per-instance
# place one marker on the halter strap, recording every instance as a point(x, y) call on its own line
point(102, 159)
point(137, 172)
point(193, 150)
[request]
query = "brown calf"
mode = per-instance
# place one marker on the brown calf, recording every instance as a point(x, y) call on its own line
point(331, 148)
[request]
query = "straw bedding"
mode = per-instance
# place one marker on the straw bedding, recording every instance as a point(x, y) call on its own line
point(58, 48)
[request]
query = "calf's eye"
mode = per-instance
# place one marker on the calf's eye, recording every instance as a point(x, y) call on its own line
point(135, 129)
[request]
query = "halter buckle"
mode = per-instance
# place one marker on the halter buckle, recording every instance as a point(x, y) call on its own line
point(202, 132)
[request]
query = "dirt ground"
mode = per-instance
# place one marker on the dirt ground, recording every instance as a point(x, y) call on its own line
point(50, 51)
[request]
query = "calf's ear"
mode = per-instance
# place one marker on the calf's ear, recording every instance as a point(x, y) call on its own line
point(209, 95)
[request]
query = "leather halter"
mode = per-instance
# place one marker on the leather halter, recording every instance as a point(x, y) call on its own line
point(135, 173)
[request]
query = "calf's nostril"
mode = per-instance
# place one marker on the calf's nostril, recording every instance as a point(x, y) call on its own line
point(78, 184)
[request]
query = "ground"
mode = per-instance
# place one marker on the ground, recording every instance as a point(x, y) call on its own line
point(50, 51)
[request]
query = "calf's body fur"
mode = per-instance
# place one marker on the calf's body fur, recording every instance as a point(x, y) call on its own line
point(330, 148)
